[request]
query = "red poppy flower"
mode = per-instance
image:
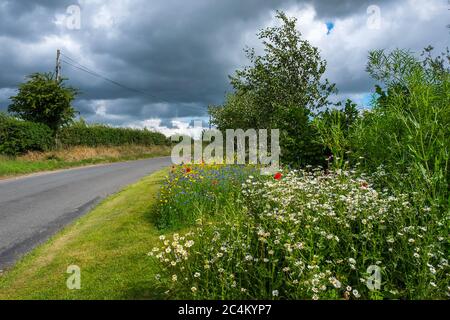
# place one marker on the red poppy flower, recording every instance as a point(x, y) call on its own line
point(278, 176)
point(188, 170)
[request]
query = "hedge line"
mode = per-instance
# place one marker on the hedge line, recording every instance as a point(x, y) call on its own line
point(17, 136)
point(101, 135)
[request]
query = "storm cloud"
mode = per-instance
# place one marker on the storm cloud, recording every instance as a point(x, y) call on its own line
point(175, 56)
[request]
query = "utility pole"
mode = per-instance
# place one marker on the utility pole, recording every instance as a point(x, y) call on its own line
point(58, 65)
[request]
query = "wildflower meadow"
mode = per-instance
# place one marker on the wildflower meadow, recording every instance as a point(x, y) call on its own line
point(360, 209)
point(300, 234)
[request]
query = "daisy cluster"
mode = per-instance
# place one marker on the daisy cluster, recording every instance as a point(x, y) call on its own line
point(311, 234)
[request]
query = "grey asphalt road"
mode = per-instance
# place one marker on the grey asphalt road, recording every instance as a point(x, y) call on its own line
point(35, 207)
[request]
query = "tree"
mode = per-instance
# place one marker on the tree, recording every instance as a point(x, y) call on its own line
point(280, 90)
point(44, 99)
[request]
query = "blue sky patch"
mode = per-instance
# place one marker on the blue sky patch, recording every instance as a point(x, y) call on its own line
point(330, 26)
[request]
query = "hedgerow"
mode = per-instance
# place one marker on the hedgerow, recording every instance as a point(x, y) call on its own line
point(17, 136)
point(102, 135)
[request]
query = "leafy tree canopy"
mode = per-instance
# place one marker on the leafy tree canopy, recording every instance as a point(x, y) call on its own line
point(44, 99)
point(279, 90)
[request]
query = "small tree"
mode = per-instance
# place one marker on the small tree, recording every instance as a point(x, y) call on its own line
point(280, 90)
point(44, 99)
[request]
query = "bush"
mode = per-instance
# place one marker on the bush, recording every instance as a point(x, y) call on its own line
point(334, 129)
point(80, 134)
point(17, 136)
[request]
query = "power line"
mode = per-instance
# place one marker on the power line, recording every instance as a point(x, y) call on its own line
point(92, 72)
point(79, 64)
point(194, 108)
point(102, 77)
point(83, 68)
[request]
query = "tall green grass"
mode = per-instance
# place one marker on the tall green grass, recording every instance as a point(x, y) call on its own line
point(405, 135)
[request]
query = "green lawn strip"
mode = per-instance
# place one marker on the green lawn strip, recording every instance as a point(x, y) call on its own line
point(11, 168)
point(110, 246)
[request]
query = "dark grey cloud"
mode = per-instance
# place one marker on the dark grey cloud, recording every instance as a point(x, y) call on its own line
point(340, 8)
point(176, 54)
point(29, 20)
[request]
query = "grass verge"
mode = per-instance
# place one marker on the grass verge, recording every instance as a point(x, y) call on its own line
point(109, 244)
point(75, 157)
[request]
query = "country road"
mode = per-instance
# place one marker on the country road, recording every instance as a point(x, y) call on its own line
point(35, 207)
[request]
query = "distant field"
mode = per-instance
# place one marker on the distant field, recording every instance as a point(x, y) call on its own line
point(75, 156)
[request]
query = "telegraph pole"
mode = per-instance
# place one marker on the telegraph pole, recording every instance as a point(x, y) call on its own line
point(58, 65)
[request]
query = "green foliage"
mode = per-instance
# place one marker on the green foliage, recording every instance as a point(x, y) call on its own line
point(17, 136)
point(334, 129)
point(239, 112)
point(95, 135)
point(299, 146)
point(43, 99)
point(408, 130)
point(280, 90)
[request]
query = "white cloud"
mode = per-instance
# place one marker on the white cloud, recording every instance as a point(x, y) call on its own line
point(411, 24)
point(180, 127)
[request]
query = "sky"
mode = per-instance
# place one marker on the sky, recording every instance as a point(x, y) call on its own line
point(173, 57)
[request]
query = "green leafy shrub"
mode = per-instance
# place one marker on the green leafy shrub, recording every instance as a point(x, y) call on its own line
point(17, 136)
point(334, 128)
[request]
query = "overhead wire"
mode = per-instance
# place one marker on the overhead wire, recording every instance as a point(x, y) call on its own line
point(75, 64)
